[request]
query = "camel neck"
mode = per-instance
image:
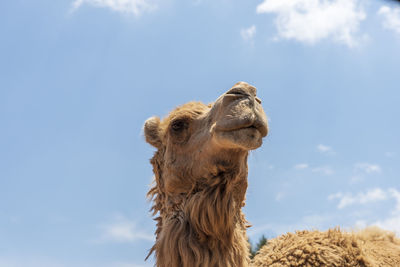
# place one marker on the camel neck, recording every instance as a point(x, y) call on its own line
point(205, 227)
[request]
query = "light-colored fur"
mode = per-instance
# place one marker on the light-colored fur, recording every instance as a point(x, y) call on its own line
point(371, 247)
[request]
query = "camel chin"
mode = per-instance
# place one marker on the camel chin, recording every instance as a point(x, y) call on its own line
point(248, 138)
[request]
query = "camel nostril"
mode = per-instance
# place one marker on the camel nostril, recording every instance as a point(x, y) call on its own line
point(243, 88)
point(237, 92)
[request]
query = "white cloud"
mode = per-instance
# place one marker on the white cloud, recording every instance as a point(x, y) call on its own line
point(391, 18)
point(326, 170)
point(301, 166)
point(367, 168)
point(123, 230)
point(248, 33)
point(362, 169)
point(135, 7)
point(348, 199)
point(359, 218)
point(324, 149)
point(392, 223)
point(310, 222)
point(396, 195)
point(310, 21)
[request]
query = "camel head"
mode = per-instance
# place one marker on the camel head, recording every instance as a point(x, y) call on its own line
point(200, 169)
point(198, 141)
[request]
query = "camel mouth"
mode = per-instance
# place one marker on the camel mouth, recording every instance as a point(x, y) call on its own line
point(251, 131)
point(251, 128)
point(245, 137)
point(262, 129)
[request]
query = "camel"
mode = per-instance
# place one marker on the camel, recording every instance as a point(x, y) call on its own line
point(370, 247)
point(200, 170)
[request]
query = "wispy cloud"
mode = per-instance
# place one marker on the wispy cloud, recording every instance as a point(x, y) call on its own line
point(270, 167)
point(280, 195)
point(360, 170)
point(134, 7)
point(301, 166)
point(332, 217)
point(391, 18)
point(348, 199)
point(324, 149)
point(367, 168)
point(392, 223)
point(326, 170)
point(122, 230)
point(310, 21)
point(312, 221)
point(396, 195)
point(248, 33)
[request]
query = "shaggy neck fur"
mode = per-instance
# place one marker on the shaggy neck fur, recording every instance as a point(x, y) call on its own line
point(204, 227)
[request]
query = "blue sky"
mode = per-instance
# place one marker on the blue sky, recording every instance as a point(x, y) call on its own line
point(79, 78)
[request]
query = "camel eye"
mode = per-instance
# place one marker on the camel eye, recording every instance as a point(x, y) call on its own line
point(178, 125)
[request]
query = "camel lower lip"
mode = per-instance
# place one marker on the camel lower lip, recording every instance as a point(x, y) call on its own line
point(239, 128)
point(246, 128)
point(233, 127)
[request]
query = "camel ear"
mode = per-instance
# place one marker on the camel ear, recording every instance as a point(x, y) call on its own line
point(152, 131)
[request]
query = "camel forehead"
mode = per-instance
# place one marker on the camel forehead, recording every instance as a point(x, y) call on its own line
point(189, 110)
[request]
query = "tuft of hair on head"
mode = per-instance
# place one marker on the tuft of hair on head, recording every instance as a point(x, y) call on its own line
point(152, 131)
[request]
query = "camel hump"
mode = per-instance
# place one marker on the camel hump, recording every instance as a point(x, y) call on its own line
point(370, 247)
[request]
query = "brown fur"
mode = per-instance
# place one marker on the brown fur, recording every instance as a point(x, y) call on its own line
point(200, 170)
point(371, 247)
point(204, 227)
